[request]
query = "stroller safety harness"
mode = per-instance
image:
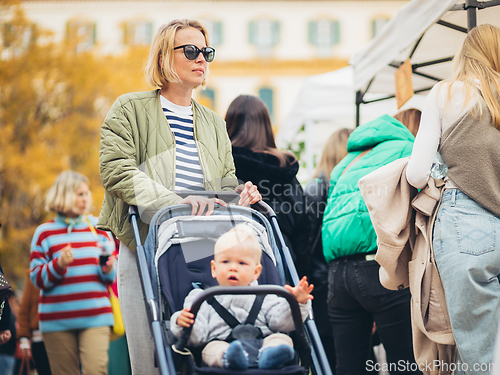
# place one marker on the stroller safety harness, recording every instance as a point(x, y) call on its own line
point(249, 335)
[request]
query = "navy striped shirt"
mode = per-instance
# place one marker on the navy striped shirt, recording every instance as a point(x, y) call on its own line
point(188, 172)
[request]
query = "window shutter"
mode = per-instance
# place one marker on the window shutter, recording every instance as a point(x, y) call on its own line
point(276, 33)
point(252, 31)
point(312, 32)
point(335, 30)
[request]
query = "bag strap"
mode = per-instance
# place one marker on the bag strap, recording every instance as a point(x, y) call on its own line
point(91, 226)
point(25, 362)
point(355, 160)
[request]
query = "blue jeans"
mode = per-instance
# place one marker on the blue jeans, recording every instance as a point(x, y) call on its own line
point(7, 364)
point(356, 299)
point(467, 254)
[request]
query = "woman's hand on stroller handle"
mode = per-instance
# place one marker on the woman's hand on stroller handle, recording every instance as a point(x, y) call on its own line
point(199, 204)
point(249, 194)
point(301, 292)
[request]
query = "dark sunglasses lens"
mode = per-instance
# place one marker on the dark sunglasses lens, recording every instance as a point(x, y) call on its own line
point(208, 54)
point(191, 52)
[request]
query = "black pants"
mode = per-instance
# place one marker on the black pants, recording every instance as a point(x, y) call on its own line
point(356, 299)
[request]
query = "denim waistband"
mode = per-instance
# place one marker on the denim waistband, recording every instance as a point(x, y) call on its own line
point(453, 195)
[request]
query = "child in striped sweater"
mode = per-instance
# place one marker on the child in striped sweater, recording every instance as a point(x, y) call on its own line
point(74, 312)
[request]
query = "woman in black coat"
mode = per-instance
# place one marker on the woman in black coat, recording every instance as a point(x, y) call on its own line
point(274, 171)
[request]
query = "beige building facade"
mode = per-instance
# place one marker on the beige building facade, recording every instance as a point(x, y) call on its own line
point(264, 48)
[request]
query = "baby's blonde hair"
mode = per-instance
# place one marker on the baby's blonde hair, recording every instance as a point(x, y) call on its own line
point(242, 236)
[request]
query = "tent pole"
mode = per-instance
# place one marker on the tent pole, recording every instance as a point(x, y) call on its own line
point(471, 6)
point(359, 99)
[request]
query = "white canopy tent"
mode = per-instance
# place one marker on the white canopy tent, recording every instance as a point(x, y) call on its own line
point(429, 32)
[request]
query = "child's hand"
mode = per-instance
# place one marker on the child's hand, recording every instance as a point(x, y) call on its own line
point(108, 267)
point(301, 292)
point(186, 319)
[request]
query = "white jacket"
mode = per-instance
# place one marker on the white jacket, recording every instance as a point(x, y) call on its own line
point(274, 316)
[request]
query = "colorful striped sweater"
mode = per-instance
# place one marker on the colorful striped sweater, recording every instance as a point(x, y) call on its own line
point(75, 297)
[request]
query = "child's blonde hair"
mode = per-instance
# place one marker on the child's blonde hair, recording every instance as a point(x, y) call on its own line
point(242, 236)
point(61, 196)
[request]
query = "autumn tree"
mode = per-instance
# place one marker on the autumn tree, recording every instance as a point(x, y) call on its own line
point(53, 99)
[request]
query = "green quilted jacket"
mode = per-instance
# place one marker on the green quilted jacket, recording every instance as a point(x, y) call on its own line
point(137, 160)
point(347, 228)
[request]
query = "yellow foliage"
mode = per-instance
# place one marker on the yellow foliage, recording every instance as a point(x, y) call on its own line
point(52, 104)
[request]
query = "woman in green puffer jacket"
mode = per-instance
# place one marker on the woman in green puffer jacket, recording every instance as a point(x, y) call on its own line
point(356, 299)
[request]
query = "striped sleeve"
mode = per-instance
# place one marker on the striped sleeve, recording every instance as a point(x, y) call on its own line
point(45, 273)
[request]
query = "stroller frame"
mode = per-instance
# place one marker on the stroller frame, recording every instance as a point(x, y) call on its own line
point(308, 335)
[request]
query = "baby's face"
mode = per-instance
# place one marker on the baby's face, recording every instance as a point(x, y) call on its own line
point(237, 266)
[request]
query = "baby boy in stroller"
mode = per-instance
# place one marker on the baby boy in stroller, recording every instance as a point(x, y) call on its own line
point(260, 341)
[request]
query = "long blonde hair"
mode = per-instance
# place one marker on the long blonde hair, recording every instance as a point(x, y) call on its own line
point(334, 151)
point(159, 69)
point(479, 58)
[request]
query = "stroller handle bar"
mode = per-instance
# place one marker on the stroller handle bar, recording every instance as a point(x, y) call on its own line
point(252, 290)
point(229, 196)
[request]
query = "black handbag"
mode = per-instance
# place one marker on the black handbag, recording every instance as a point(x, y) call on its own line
point(5, 292)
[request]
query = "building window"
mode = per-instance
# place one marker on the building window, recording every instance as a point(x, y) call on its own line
point(264, 34)
point(82, 34)
point(17, 38)
point(324, 34)
point(138, 33)
point(267, 96)
point(377, 25)
point(207, 98)
point(214, 29)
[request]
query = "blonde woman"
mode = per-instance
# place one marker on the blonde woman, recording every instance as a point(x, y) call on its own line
point(462, 121)
point(74, 310)
point(154, 144)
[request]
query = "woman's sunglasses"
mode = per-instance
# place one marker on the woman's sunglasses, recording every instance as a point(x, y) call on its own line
point(191, 52)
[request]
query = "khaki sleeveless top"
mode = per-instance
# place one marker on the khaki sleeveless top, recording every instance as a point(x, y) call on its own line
point(471, 149)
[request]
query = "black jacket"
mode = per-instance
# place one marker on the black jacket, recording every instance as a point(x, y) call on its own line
point(316, 194)
point(281, 190)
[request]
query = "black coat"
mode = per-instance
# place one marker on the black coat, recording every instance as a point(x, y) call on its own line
point(281, 190)
point(316, 194)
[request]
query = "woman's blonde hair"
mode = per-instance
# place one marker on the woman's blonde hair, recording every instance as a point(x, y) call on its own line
point(334, 151)
point(61, 196)
point(159, 69)
point(479, 58)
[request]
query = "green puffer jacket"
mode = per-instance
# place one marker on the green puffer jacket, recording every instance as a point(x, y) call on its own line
point(137, 160)
point(347, 228)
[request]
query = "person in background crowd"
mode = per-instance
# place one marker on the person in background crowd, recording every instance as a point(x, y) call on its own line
point(7, 337)
point(316, 193)
point(153, 145)
point(74, 311)
point(356, 299)
point(274, 171)
point(462, 120)
point(411, 118)
point(29, 335)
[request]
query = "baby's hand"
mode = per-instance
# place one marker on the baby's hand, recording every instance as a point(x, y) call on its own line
point(186, 319)
point(301, 292)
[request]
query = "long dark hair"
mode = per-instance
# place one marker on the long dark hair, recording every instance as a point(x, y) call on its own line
point(249, 125)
